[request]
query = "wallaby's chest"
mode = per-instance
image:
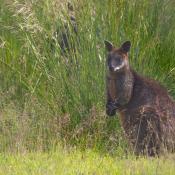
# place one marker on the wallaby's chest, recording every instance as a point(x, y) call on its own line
point(120, 88)
point(111, 87)
point(115, 87)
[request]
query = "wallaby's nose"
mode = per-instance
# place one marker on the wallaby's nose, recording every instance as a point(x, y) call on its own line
point(111, 68)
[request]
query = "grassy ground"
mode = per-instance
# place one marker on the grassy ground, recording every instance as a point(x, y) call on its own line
point(81, 163)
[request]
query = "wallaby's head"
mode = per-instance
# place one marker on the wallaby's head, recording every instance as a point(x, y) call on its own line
point(117, 58)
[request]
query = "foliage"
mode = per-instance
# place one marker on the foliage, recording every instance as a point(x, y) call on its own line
point(47, 96)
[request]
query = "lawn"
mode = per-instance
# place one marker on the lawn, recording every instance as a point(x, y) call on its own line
point(89, 162)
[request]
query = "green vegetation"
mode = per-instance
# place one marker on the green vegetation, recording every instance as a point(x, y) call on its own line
point(75, 162)
point(47, 98)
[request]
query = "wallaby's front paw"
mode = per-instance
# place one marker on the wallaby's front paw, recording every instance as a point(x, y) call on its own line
point(110, 109)
point(110, 112)
point(112, 105)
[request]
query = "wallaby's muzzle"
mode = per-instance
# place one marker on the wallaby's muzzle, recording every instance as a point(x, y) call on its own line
point(116, 68)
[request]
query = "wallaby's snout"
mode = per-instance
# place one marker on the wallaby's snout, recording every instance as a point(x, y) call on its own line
point(115, 62)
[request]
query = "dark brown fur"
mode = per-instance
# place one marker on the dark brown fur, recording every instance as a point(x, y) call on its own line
point(147, 112)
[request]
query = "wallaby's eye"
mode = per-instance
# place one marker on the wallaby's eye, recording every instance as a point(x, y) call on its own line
point(109, 58)
point(119, 60)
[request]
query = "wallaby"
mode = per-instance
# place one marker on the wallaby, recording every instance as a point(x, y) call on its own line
point(146, 111)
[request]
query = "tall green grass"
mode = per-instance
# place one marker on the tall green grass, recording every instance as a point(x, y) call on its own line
point(46, 96)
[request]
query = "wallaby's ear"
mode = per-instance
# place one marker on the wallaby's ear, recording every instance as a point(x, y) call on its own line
point(126, 46)
point(109, 45)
